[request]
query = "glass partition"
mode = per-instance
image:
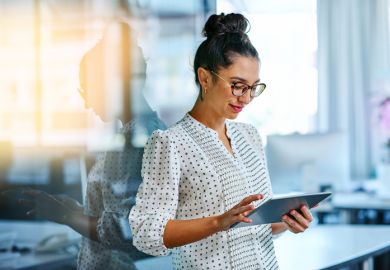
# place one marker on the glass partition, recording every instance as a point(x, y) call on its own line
point(83, 84)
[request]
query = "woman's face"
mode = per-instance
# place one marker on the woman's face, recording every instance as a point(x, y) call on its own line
point(93, 92)
point(219, 94)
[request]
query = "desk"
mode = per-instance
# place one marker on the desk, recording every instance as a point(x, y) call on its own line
point(332, 247)
point(351, 203)
point(28, 234)
point(322, 247)
point(45, 261)
point(360, 201)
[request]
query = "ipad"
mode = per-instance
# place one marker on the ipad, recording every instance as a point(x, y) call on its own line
point(272, 210)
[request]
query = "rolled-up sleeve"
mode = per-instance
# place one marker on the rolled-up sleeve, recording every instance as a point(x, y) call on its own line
point(157, 196)
point(118, 171)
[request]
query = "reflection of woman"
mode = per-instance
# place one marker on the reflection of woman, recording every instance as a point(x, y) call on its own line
point(113, 180)
point(206, 173)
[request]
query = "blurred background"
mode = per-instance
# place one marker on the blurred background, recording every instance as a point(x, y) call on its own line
point(324, 117)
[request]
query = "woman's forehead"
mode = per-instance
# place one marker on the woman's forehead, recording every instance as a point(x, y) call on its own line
point(243, 67)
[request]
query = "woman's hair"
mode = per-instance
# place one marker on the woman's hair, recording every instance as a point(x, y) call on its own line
point(225, 38)
point(94, 61)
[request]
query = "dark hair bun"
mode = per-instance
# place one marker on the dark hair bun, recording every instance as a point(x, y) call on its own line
point(222, 24)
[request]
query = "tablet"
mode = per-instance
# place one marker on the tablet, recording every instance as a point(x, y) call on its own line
point(272, 210)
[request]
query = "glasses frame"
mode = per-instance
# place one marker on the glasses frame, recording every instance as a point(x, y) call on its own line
point(248, 87)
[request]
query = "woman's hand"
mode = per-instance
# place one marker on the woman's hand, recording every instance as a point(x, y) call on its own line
point(238, 213)
point(60, 209)
point(57, 208)
point(182, 232)
point(70, 202)
point(298, 222)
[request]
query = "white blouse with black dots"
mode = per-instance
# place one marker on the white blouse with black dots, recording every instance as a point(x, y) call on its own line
point(111, 189)
point(188, 173)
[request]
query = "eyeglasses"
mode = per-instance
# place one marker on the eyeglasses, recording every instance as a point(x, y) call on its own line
point(239, 88)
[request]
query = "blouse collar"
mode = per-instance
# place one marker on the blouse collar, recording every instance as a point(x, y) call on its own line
point(203, 128)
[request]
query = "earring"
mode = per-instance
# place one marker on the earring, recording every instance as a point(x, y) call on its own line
point(205, 90)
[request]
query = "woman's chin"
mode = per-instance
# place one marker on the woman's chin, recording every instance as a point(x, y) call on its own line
point(101, 116)
point(232, 116)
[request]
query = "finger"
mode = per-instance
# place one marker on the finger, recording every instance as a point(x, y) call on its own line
point(25, 202)
point(290, 228)
point(10, 193)
point(67, 201)
point(32, 192)
point(61, 201)
point(300, 219)
point(62, 198)
point(247, 220)
point(251, 198)
point(242, 209)
point(42, 196)
point(248, 212)
point(31, 213)
point(306, 213)
point(242, 218)
point(293, 224)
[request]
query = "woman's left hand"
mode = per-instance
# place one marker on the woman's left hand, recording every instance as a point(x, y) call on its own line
point(57, 208)
point(296, 221)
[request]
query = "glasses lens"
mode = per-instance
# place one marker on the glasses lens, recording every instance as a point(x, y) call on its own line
point(258, 89)
point(239, 89)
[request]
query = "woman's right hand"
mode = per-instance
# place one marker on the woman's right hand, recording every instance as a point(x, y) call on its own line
point(238, 213)
point(178, 232)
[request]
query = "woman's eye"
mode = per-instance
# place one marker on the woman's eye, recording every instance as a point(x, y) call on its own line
point(239, 86)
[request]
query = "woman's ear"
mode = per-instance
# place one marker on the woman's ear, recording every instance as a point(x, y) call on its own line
point(204, 77)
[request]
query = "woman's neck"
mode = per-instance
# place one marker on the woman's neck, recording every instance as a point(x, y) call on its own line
point(204, 114)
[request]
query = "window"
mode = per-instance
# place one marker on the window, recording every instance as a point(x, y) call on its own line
point(285, 35)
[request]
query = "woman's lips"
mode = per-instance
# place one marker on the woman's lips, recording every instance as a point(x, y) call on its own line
point(236, 109)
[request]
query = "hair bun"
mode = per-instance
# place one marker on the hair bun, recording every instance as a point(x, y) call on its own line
point(222, 24)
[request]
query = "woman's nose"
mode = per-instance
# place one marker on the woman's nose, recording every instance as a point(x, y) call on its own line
point(246, 98)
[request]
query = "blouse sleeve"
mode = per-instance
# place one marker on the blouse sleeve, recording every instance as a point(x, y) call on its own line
point(157, 195)
point(104, 201)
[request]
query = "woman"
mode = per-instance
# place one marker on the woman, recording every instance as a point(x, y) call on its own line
point(206, 173)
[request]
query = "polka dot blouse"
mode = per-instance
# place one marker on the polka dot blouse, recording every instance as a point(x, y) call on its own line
point(188, 173)
point(111, 189)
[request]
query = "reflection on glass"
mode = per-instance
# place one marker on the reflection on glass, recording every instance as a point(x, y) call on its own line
point(114, 179)
point(62, 163)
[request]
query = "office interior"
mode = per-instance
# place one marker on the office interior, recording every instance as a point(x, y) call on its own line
point(324, 117)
